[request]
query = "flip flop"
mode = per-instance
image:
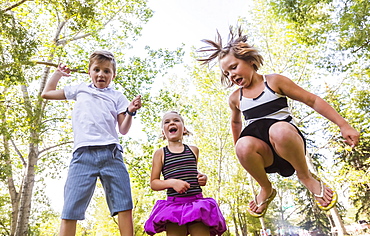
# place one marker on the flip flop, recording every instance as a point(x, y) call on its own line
point(334, 199)
point(266, 201)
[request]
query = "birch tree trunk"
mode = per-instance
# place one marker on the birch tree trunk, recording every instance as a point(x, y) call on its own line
point(12, 190)
point(26, 194)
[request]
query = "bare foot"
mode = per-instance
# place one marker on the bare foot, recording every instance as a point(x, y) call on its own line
point(262, 196)
point(322, 193)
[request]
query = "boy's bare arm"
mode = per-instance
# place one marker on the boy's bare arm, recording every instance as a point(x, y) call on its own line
point(50, 91)
point(125, 120)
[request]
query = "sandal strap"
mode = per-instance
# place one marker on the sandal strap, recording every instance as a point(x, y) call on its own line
point(321, 190)
point(266, 200)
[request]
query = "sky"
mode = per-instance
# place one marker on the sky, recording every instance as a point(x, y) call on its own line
point(176, 22)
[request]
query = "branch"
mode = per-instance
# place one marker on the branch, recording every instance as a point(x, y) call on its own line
point(19, 153)
point(64, 41)
point(56, 65)
point(53, 119)
point(51, 147)
point(15, 5)
point(361, 47)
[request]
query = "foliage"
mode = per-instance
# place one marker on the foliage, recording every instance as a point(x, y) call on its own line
point(321, 20)
point(37, 35)
point(340, 29)
point(322, 48)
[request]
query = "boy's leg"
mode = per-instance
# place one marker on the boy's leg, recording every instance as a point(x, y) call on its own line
point(125, 223)
point(254, 155)
point(68, 228)
point(289, 145)
point(198, 229)
point(176, 230)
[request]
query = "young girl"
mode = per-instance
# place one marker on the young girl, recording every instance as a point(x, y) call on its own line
point(185, 210)
point(269, 142)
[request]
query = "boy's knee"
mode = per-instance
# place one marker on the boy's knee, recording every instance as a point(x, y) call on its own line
point(127, 213)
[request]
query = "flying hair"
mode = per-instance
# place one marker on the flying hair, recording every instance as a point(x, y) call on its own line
point(237, 45)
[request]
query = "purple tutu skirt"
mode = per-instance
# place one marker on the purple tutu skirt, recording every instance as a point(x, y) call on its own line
point(185, 210)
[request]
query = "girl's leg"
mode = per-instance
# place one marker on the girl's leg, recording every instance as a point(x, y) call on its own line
point(289, 145)
point(198, 229)
point(68, 228)
point(125, 223)
point(254, 155)
point(176, 230)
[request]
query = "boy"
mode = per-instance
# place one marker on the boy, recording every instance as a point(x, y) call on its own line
point(96, 152)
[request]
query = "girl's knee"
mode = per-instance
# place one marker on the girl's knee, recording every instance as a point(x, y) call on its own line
point(249, 145)
point(282, 131)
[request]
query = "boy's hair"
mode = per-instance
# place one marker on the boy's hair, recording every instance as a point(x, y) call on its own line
point(187, 132)
point(237, 45)
point(102, 55)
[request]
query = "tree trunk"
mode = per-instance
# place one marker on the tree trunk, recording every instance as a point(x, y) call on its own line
point(26, 194)
point(11, 187)
point(338, 222)
point(236, 226)
point(24, 209)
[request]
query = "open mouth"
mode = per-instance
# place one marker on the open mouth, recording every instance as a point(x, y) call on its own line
point(173, 130)
point(101, 81)
point(238, 80)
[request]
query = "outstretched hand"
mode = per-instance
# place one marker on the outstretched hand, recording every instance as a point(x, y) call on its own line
point(351, 136)
point(64, 70)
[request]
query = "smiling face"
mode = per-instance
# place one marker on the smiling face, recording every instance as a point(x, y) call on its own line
point(102, 73)
point(173, 127)
point(238, 71)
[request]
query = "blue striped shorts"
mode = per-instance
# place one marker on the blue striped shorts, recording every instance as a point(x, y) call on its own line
point(88, 164)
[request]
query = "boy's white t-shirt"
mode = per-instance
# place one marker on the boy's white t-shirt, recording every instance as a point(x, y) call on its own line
point(94, 116)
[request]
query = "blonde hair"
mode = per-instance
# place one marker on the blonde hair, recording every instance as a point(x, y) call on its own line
point(186, 132)
point(237, 45)
point(103, 55)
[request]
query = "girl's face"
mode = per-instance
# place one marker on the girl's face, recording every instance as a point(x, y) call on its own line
point(101, 73)
point(173, 127)
point(238, 71)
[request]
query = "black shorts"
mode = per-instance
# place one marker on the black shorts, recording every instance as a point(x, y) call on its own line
point(260, 129)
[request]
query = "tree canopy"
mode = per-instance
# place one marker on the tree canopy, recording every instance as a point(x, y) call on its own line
point(322, 45)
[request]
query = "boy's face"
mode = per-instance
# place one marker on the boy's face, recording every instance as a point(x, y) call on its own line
point(101, 73)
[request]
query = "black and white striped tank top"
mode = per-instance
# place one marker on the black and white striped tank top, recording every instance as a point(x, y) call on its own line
point(181, 166)
point(268, 105)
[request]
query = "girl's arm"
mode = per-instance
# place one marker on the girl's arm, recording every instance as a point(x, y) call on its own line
point(157, 184)
point(287, 87)
point(202, 178)
point(50, 90)
point(125, 120)
point(236, 120)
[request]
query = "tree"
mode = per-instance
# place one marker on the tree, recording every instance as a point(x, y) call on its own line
point(319, 21)
point(341, 27)
point(36, 36)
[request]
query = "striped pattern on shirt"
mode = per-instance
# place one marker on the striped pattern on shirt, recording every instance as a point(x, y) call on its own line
point(268, 105)
point(181, 166)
